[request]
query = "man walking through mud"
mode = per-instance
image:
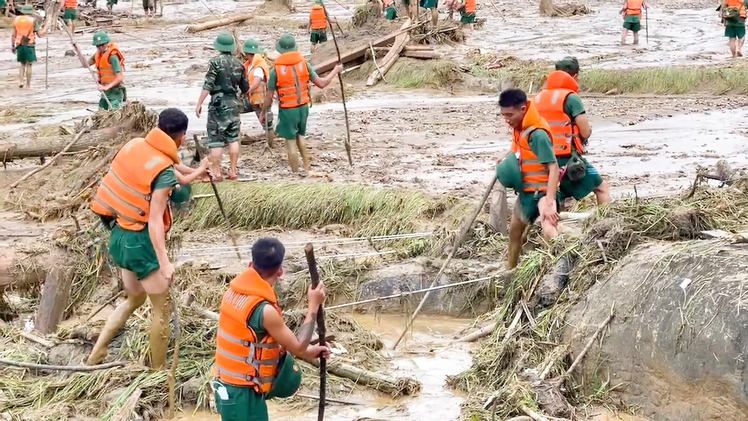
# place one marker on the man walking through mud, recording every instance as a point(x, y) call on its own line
point(536, 169)
point(254, 347)
point(132, 200)
point(110, 66)
point(560, 105)
point(258, 71)
point(317, 24)
point(632, 14)
point(733, 15)
point(290, 77)
point(23, 43)
point(226, 82)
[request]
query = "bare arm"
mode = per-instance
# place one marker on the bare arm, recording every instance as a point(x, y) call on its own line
point(203, 94)
point(184, 169)
point(276, 327)
point(585, 131)
point(13, 38)
point(256, 81)
point(321, 82)
point(156, 229)
point(118, 79)
point(552, 180)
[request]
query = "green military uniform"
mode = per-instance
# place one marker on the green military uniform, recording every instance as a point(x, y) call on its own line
point(318, 36)
point(70, 13)
point(632, 23)
point(291, 121)
point(26, 54)
point(133, 250)
point(390, 12)
point(226, 80)
point(527, 203)
point(573, 107)
point(735, 27)
point(465, 17)
point(117, 95)
point(111, 3)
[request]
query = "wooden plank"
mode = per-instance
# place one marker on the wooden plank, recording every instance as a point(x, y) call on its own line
point(420, 54)
point(391, 57)
point(55, 297)
point(356, 53)
point(226, 20)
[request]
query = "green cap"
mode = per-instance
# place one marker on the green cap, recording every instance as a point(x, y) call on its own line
point(569, 65)
point(320, 2)
point(100, 38)
point(285, 44)
point(224, 42)
point(509, 174)
point(251, 46)
point(27, 9)
point(288, 380)
point(180, 193)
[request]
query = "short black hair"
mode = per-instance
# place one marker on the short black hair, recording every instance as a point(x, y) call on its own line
point(173, 122)
point(512, 98)
point(267, 256)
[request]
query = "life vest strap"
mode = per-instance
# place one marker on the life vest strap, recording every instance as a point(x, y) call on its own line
point(253, 379)
point(139, 211)
point(114, 212)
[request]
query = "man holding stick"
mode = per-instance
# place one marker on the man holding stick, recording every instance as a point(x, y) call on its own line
point(254, 347)
point(110, 67)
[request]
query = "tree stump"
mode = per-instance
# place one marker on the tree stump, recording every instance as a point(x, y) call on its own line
point(55, 297)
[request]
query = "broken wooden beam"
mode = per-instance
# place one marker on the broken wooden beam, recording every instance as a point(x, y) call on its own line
point(393, 386)
point(227, 20)
point(420, 54)
point(55, 297)
point(391, 57)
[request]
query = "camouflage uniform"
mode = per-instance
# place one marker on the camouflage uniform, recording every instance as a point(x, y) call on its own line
point(225, 81)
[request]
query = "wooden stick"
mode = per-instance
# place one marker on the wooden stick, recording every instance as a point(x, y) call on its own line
point(46, 64)
point(498, 10)
point(374, 59)
point(480, 333)
point(532, 414)
point(452, 254)
point(342, 93)
point(33, 338)
point(171, 376)
point(82, 368)
point(84, 63)
point(104, 304)
point(124, 413)
point(49, 162)
point(333, 400)
point(321, 331)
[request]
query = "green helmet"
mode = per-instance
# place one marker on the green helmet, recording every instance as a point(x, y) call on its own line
point(224, 43)
point(285, 44)
point(251, 46)
point(509, 174)
point(100, 38)
point(288, 380)
point(27, 9)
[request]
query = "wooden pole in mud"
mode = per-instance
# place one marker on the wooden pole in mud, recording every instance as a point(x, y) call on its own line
point(46, 64)
point(321, 331)
point(456, 246)
point(342, 91)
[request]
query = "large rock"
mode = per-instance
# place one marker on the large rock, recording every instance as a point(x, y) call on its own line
point(679, 342)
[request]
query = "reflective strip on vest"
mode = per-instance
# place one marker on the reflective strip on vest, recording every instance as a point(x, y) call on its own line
point(534, 174)
point(257, 96)
point(300, 95)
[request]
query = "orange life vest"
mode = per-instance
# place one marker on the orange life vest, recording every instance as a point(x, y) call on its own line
point(292, 79)
point(24, 26)
point(242, 358)
point(257, 96)
point(634, 7)
point(469, 6)
point(534, 174)
point(71, 4)
point(550, 105)
point(106, 72)
point(317, 17)
point(125, 190)
point(738, 4)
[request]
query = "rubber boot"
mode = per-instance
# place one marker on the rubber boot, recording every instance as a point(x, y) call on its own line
point(21, 75)
point(293, 159)
point(159, 340)
point(114, 323)
point(28, 75)
point(304, 153)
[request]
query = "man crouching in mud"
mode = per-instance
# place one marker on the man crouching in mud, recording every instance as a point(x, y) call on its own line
point(539, 172)
point(132, 200)
point(254, 347)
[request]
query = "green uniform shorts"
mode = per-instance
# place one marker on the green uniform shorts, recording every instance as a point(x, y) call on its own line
point(292, 122)
point(116, 97)
point(239, 403)
point(223, 123)
point(70, 14)
point(526, 206)
point(581, 188)
point(318, 36)
point(429, 4)
point(111, 2)
point(737, 31)
point(466, 18)
point(632, 26)
point(133, 250)
point(26, 53)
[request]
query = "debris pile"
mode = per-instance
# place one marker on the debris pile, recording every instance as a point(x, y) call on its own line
point(565, 10)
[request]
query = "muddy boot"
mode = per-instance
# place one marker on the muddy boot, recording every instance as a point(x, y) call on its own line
point(159, 339)
point(293, 159)
point(21, 75)
point(304, 153)
point(114, 323)
point(28, 75)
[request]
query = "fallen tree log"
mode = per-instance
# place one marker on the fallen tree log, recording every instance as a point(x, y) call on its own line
point(480, 333)
point(421, 54)
point(391, 57)
point(228, 20)
point(393, 386)
point(21, 270)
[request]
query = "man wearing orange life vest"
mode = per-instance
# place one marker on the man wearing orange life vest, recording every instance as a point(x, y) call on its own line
point(258, 71)
point(290, 77)
point(733, 14)
point(390, 10)
point(110, 67)
point(253, 341)
point(70, 14)
point(531, 144)
point(317, 24)
point(132, 200)
point(467, 13)
point(632, 13)
point(560, 105)
point(23, 43)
